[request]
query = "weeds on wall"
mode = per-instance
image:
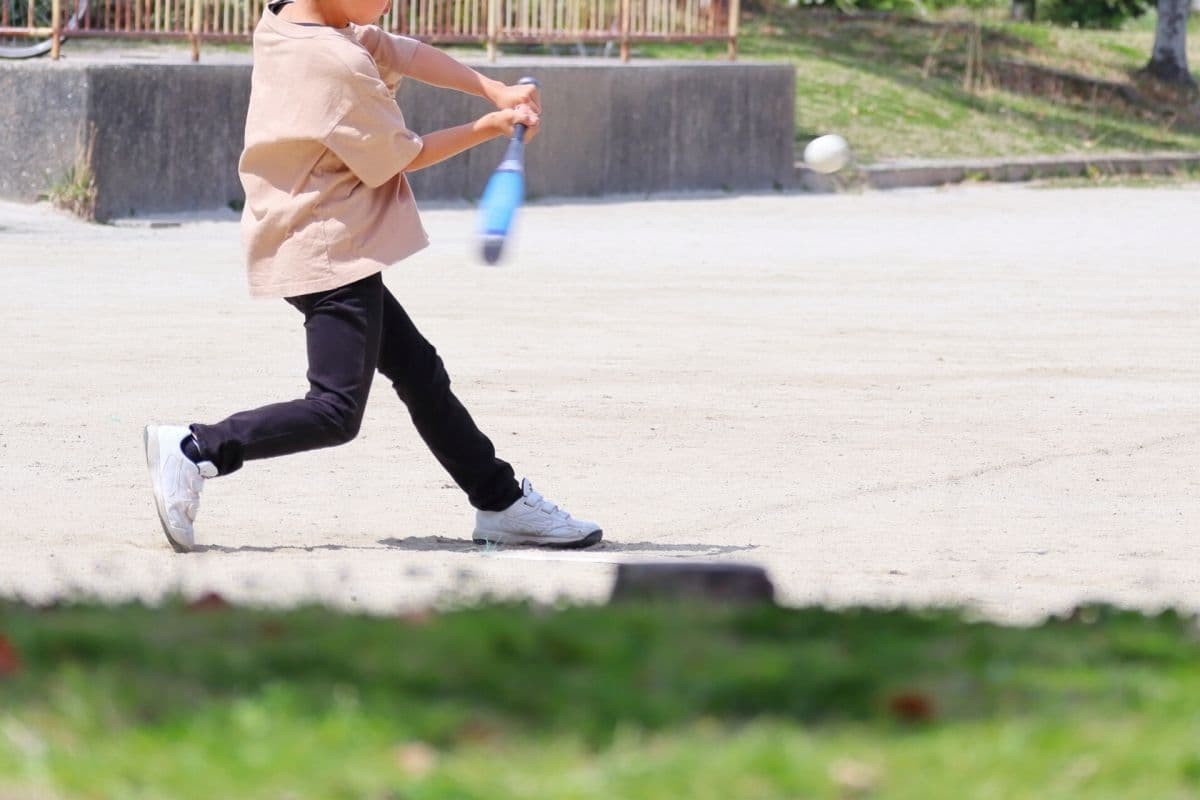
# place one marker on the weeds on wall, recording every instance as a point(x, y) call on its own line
point(76, 192)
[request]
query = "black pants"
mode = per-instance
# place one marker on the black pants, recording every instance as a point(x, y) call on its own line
point(352, 331)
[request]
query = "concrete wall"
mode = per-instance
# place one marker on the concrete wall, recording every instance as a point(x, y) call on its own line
point(42, 123)
point(628, 129)
point(168, 136)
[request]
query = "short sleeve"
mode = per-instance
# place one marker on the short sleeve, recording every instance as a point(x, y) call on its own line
point(392, 53)
point(370, 135)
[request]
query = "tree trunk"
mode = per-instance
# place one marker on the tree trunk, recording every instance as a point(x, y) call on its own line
point(1024, 10)
point(1168, 62)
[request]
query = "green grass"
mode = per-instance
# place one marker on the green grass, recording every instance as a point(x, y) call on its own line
point(629, 702)
point(894, 86)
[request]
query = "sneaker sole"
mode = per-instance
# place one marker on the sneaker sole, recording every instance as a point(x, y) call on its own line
point(537, 541)
point(153, 465)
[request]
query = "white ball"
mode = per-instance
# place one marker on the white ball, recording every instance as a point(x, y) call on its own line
point(827, 153)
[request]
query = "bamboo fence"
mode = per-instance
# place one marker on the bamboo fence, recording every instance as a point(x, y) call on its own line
point(486, 22)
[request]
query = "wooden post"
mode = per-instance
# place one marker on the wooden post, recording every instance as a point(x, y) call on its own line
point(493, 26)
point(55, 29)
point(735, 13)
point(625, 31)
point(197, 15)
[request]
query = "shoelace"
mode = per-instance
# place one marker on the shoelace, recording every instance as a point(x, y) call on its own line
point(535, 500)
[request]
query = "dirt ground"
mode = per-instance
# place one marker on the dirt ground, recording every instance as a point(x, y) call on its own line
point(986, 396)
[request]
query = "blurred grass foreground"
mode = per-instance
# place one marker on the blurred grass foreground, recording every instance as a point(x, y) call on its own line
point(203, 700)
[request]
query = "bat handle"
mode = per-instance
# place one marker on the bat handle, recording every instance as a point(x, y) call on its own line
point(519, 129)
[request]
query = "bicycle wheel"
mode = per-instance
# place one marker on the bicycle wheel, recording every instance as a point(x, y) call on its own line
point(32, 14)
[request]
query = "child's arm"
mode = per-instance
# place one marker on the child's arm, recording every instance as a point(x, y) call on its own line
point(443, 144)
point(432, 66)
point(435, 67)
point(398, 56)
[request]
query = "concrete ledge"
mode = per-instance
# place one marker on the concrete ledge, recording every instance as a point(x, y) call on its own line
point(913, 174)
point(42, 115)
point(168, 136)
point(633, 129)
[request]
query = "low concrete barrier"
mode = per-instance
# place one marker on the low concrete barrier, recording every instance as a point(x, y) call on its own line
point(933, 173)
point(168, 136)
point(922, 173)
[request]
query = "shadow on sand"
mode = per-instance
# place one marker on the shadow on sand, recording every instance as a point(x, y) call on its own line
point(443, 544)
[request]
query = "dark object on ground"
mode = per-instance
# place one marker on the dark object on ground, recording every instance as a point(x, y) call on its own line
point(738, 583)
point(912, 707)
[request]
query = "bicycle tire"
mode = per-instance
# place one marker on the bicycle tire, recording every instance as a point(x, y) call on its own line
point(9, 49)
point(12, 51)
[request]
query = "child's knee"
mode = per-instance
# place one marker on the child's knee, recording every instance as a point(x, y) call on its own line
point(340, 420)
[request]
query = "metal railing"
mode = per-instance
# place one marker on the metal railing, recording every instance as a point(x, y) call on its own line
point(490, 23)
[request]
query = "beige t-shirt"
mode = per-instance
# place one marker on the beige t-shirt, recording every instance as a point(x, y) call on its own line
point(327, 202)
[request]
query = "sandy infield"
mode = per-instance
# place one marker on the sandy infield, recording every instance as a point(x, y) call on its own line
point(986, 396)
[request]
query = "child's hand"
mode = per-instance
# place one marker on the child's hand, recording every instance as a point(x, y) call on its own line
point(520, 94)
point(505, 120)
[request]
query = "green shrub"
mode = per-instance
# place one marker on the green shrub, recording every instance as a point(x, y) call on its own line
point(1106, 14)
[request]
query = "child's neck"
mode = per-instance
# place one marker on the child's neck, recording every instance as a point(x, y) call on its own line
point(309, 12)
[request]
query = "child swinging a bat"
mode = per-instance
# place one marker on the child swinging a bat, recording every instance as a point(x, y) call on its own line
point(328, 207)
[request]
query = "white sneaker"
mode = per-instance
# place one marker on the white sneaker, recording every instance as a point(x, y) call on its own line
point(534, 520)
point(177, 482)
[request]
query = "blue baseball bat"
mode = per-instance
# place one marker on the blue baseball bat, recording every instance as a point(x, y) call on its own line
point(503, 195)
